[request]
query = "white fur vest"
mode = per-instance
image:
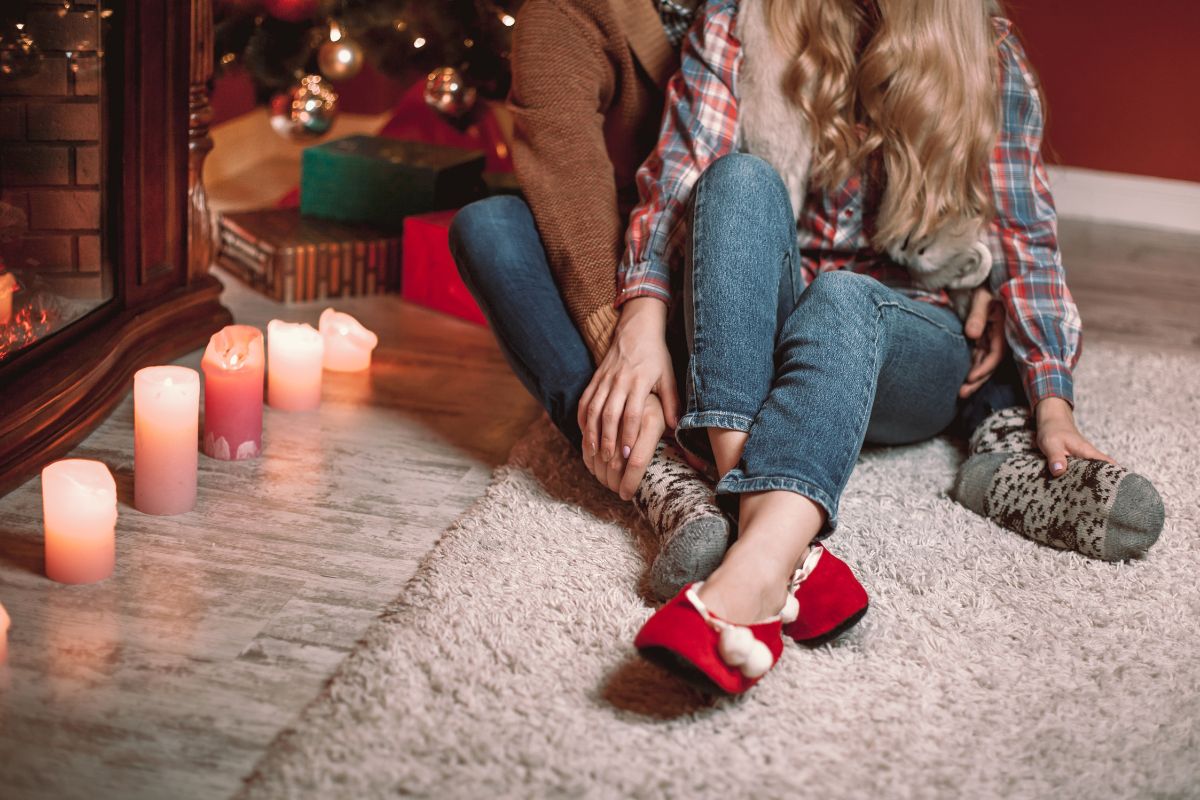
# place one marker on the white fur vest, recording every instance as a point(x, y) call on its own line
point(774, 129)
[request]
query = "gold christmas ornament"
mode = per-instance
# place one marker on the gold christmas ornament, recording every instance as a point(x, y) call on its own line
point(340, 60)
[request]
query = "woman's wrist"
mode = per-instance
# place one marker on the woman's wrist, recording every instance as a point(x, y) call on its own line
point(1052, 409)
point(644, 311)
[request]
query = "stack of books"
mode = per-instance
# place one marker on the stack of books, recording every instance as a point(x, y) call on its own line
point(293, 258)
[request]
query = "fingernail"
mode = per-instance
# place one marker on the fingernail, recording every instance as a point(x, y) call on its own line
point(1056, 466)
point(625, 451)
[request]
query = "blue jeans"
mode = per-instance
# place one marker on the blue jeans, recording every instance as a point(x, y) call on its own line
point(503, 263)
point(810, 373)
point(501, 259)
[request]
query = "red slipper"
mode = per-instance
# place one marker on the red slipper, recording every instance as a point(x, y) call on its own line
point(715, 656)
point(828, 599)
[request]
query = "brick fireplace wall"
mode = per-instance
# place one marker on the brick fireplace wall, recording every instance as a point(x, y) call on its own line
point(50, 159)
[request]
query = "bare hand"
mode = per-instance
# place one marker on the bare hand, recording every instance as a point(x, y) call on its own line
point(985, 327)
point(637, 363)
point(1058, 438)
point(620, 474)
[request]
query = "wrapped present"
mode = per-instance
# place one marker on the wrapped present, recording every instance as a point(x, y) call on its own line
point(379, 181)
point(430, 277)
point(292, 258)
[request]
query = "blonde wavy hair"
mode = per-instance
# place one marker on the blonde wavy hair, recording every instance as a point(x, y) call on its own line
point(922, 94)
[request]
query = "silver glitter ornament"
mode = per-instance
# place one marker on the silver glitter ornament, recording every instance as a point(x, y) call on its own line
point(448, 93)
point(307, 111)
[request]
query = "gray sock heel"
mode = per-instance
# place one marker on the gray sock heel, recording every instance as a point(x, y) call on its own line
point(678, 504)
point(692, 554)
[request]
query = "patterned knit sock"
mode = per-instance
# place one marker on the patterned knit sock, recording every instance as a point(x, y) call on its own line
point(1099, 509)
point(678, 504)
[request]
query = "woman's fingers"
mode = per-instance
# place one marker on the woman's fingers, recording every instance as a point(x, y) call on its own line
point(610, 421)
point(592, 423)
point(585, 402)
point(977, 317)
point(1085, 449)
point(1058, 448)
point(631, 419)
point(652, 427)
point(968, 389)
point(668, 395)
point(1054, 448)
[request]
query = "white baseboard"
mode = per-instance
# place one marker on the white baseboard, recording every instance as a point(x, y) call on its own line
point(1126, 199)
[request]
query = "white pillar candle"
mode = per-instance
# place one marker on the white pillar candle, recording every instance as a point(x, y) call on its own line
point(348, 344)
point(166, 429)
point(79, 511)
point(294, 354)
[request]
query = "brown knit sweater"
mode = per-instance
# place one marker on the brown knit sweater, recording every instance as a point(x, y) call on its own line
point(587, 94)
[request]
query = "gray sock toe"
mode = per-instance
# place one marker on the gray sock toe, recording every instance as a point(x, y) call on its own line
point(690, 555)
point(974, 477)
point(1136, 519)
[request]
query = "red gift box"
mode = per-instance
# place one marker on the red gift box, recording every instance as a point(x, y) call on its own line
point(430, 277)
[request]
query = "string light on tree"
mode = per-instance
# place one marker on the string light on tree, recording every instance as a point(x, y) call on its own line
point(20, 56)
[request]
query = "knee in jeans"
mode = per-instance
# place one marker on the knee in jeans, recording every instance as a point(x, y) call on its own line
point(843, 291)
point(482, 226)
point(743, 176)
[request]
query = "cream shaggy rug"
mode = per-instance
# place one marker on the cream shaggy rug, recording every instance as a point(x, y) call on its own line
point(988, 666)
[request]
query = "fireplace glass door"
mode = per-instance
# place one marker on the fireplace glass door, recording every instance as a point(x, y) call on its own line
point(54, 251)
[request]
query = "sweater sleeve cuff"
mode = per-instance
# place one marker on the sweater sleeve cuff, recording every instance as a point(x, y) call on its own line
point(598, 330)
point(1045, 379)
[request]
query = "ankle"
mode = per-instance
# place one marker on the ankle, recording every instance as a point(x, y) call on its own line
point(746, 595)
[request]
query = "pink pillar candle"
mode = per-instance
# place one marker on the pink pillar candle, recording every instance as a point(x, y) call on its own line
point(166, 423)
point(233, 393)
point(348, 344)
point(4, 622)
point(79, 510)
point(294, 353)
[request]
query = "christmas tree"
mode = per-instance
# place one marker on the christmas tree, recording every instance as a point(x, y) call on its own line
point(293, 49)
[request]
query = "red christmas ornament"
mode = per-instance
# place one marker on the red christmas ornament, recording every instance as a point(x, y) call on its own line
point(292, 10)
point(413, 119)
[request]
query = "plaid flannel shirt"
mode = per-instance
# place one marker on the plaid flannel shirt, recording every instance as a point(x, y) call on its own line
point(701, 124)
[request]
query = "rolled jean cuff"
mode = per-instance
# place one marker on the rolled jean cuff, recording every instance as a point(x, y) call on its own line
point(696, 444)
point(715, 419)
point(735, 482)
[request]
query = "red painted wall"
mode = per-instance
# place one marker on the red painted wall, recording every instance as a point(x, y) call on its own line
point(1121, 81)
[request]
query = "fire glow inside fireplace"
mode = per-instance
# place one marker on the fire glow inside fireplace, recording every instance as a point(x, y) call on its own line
point(105, 240)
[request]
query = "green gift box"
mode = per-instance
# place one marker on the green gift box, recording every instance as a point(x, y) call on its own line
point(378, 181)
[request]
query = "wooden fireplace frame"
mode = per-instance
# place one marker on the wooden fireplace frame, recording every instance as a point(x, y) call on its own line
point(54, 393)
